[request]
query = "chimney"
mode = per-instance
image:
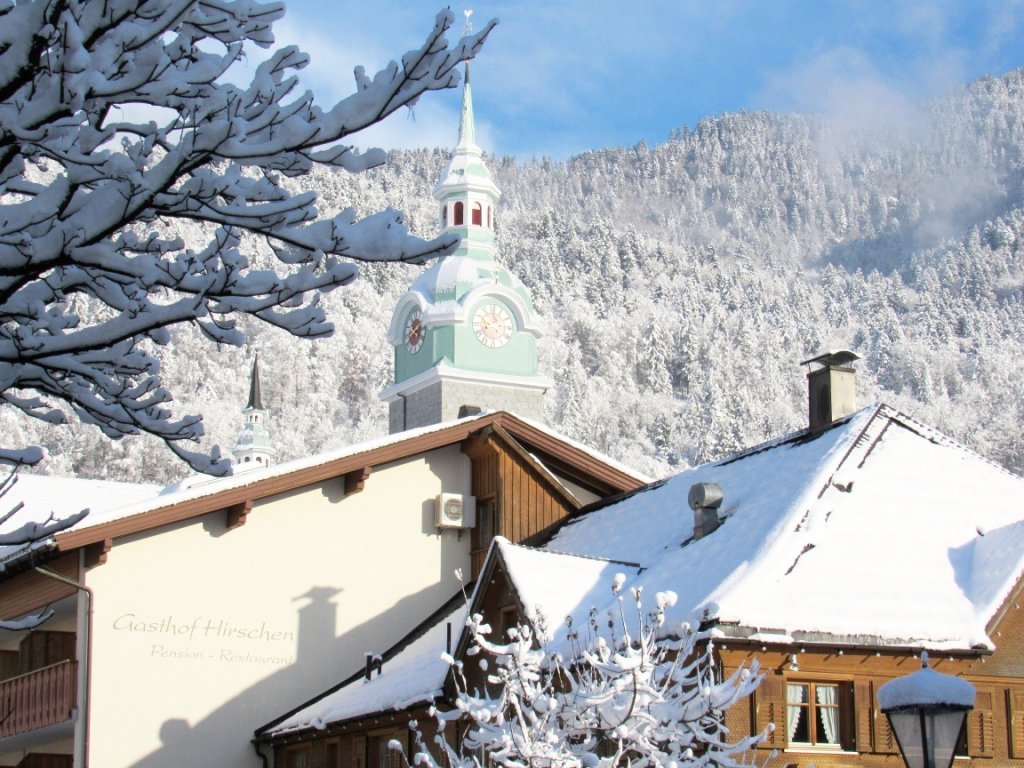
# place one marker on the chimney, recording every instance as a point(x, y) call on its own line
point(704, 500)
point(831, 388)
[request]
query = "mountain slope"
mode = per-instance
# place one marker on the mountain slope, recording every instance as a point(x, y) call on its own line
point(682, 284)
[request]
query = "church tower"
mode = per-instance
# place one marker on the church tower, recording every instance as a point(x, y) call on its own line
point(253, 448)
point(465, 334)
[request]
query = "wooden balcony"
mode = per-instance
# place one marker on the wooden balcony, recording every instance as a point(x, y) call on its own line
point(37, 699)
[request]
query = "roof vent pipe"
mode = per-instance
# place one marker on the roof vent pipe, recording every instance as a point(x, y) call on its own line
point(831, 388)
point(373, 661)
point(705, 499)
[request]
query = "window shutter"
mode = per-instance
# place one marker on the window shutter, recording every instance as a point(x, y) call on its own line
point(980, 729)
point(1015, 705)
point(862, 707)
point(885, 739)
point(769, 708)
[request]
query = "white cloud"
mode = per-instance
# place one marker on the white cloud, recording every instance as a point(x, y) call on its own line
point(841, 84)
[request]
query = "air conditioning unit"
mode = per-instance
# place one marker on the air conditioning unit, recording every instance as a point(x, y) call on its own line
point(453, 510)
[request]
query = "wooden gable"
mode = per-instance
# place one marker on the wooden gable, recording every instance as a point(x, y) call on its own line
point(517, 496)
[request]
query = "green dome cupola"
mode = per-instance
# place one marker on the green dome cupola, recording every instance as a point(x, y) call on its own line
point(465, 332)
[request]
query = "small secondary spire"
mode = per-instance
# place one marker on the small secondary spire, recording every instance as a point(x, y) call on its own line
point(255, 399)
point(253, 448)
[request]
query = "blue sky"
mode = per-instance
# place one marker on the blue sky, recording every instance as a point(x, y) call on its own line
point(558, 78)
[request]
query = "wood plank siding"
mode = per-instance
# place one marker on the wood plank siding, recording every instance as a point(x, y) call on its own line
point(866, 738)
point(31, 590)
point(523, 497)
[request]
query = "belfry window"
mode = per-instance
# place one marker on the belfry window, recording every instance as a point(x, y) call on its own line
point(444, 216)
point(490, 221)
point(478, 215)
point(458, 214)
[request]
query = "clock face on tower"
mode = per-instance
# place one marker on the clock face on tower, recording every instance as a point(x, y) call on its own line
point(414, 332)
point(492, 325)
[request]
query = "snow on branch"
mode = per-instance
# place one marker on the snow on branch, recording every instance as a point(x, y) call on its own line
point(30, 531)
point(90, 267)
point(601, 696)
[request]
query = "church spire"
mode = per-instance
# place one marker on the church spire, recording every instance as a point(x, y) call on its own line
point(467, 128)
point(255, 400)
point(253, 448)
point(465, 332)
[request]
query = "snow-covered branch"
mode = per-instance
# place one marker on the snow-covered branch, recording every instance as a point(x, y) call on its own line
point(90, 265)
point(600, 696)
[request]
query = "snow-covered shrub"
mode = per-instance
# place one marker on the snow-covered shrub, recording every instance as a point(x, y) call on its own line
point(614, 693)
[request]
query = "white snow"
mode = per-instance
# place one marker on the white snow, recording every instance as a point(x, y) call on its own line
point(413, 676)
point(897, 559)
point(199, 486)
point(62, 497)
point(926, 687)
point(556, 586)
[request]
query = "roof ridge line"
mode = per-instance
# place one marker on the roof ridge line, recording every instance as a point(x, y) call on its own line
point(937, 436)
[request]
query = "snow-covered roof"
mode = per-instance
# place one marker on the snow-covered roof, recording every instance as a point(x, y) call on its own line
point(44, 495)
point(149, 506)
point(876, 531)
point(414, 675)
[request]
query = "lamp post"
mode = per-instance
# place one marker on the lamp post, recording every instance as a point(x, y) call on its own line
point(927, 711)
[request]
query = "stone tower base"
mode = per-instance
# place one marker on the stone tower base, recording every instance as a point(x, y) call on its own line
point(442, 399)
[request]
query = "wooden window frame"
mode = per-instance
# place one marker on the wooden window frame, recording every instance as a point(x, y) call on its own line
point(486, 527)
point(844, 706)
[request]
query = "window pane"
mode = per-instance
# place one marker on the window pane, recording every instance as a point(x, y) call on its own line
point(797, 728)
point(796, 721)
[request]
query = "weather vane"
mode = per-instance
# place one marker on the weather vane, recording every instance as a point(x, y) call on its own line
point(469, 23)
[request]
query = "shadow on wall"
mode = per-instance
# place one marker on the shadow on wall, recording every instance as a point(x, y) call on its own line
point(322, 660)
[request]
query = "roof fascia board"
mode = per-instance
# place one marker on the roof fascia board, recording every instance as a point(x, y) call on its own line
point(272, 486)
point(619, 479)
point(839, 644)
point(357, 462)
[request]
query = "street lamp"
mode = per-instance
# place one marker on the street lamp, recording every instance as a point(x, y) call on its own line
point(927, 711)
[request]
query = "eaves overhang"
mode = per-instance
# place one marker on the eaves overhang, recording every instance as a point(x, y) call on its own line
point(730, 635)
point(261, 484)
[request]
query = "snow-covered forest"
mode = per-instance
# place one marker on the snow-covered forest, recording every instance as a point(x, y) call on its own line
point(681, 285)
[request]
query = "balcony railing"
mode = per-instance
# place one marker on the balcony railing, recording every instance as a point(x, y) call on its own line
point(37, 699)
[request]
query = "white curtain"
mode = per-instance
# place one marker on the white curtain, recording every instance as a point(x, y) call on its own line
point(794, 696)
point(829, 714)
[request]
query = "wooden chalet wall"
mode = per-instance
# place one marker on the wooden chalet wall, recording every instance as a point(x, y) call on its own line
point(995, 728)
point(509, 484)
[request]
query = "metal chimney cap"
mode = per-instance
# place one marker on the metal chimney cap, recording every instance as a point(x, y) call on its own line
point(705, 496)
point(833, 358)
